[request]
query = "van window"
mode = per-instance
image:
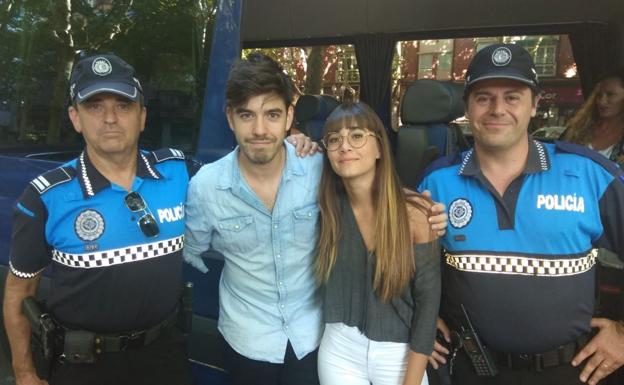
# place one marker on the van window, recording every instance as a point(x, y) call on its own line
point(320, 69)
point(448, 59)
point(166, 42)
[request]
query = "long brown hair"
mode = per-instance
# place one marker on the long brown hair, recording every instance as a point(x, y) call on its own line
point(394, 263)
point(580, 127)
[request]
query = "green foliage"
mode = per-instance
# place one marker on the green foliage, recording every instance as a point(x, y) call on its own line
point(166, 41)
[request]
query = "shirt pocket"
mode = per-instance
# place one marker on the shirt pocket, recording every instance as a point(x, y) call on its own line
point(239, 233)
point(305, 222)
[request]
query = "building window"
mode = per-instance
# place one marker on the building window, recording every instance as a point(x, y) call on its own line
point(545, 58)
point(435, 66)
point(482, 42)
point(543, 50)
point(425, 66)
point(435, 59)
point(347, 69)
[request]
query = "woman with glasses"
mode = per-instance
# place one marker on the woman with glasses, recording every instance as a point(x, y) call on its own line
point(378, 260)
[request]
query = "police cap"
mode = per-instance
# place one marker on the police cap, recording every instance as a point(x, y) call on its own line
point(99, 73)
point(502, 61)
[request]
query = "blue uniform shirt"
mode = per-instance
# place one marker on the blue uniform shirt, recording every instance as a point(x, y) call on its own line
point(106, 275)
point(267, 293)
point(523, 263)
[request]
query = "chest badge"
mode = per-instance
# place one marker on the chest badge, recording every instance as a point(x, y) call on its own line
point(89, 225)
point(460, 213)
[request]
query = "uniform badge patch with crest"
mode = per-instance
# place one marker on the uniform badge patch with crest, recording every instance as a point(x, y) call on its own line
point(460, 213)
point(89, 225)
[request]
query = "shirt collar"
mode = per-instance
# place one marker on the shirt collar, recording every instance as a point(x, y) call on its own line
point(92, 181)
point(537, 161)
point(293, 166)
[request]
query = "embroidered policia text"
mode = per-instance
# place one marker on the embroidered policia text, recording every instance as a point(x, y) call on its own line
point(561, 202)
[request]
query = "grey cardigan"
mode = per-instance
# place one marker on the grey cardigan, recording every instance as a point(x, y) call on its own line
point(348, 295)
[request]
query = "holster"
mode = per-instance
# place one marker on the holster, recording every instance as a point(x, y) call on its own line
point(185, 315)
point(43, 336)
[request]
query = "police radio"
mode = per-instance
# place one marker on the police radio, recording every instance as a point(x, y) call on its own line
point(480, 357)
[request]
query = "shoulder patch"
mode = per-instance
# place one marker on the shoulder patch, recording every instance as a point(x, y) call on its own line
point(571, 148)
point(52, 178)
point(167, 154)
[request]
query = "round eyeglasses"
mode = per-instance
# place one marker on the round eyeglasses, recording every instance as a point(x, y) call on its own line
point(356, 139)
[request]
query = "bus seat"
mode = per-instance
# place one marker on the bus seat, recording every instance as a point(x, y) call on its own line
point(427, 108)
point(311, 112)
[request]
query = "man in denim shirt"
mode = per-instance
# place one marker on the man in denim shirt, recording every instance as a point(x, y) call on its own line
point(257, 206)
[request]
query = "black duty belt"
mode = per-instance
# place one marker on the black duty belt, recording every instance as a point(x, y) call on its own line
point(106, 343)
point(98, 343)
point(552, 358)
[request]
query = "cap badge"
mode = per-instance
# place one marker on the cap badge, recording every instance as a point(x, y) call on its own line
point(101, 66)
point(460, 213)
point(89, 225)
point(501, 56)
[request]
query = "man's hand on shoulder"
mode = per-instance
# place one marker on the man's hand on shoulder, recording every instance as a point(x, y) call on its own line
point(604, 353)
point(437, 217)
point(304, 146)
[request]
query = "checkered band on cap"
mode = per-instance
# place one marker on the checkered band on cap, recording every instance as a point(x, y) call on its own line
point(517, 265)
point(119, 256)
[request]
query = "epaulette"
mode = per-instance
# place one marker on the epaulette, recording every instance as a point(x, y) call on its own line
point(166, 154)
point(602, 160)
point(52, 178)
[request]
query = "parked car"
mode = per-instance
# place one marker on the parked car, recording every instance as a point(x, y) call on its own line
point(548, 134)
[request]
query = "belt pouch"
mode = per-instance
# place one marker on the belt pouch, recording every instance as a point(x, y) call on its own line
point(79, 347)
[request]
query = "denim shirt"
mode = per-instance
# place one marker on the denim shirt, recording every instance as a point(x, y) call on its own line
point(267, 294)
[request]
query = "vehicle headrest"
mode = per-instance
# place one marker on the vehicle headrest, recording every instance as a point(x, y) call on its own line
point(314, 107)
point(432, 101)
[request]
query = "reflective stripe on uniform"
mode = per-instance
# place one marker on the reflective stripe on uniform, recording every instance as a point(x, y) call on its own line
point(518, 265)
point(120, 255)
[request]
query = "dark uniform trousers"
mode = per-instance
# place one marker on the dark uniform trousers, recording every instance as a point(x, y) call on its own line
point(464, 374)
point(244, 371)
point(163, 362)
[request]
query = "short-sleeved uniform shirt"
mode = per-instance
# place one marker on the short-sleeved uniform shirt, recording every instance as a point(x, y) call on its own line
point(523, 264)
point(106, 274)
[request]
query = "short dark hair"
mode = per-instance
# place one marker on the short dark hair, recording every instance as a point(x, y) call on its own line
point(256, 75)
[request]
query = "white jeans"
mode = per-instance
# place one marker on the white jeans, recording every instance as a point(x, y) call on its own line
point(347, 357)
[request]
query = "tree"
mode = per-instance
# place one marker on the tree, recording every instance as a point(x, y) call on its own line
point(164, 39)
point(73, 30)
point(314, 70)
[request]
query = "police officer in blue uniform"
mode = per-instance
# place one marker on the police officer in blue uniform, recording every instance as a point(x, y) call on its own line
point(525, 219)
point(110, 226)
